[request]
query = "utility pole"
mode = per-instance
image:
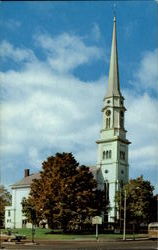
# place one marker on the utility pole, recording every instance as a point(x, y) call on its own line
point(124, 222)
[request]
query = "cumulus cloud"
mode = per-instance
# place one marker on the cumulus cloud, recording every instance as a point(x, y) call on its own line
point(66, 52)
point(142, 114)
point(8, 51)
point(142, 119)
point(44, 112)
point(96, 34)
point(10, 24)
point(147, 73)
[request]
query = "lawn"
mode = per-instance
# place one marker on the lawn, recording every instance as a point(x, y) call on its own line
point(45, 234)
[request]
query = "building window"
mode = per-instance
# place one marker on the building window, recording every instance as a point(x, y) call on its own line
point(8, 213)
point(121, 122)
point(108, 154)
point(122, 155)
point(122, 172)
point(106, 171)
point(103, 155)
point(121, 119)
point(106, 189)
point(107, 122)
point(108, 101)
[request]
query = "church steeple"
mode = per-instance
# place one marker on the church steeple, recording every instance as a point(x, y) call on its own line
point(113, 83)
point(112, 162)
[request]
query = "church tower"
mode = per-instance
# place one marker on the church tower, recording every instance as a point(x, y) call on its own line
point(112, 162)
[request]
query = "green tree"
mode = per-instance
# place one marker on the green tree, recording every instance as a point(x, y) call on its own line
point(139, 200)
point(66, 194)
point(5, 200)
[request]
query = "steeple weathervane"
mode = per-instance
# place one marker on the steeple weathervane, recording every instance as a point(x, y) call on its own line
point(113, 83)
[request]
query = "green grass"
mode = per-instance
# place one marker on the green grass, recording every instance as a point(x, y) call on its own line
point(45, 234)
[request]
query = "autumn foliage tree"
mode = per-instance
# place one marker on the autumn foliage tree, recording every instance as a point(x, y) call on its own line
point(66, 195)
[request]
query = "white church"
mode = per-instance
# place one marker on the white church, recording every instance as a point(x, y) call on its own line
point(112, 168)
point(112, 162)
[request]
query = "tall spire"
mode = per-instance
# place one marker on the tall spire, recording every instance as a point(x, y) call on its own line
point(113, 83)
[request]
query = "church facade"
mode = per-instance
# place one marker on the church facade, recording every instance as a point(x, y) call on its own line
point(112, 161)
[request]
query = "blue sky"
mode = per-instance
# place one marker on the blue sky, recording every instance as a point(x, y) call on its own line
point(54, 71)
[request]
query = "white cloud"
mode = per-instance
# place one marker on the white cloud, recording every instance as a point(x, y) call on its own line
point(8, 51)
point(66, 52)
point(11, 24)
point(142, 115)
point(129, 28)
point(147, 75)
point(44, 109)
point(96, 34)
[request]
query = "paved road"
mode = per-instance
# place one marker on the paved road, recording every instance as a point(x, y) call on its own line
point(127, 245)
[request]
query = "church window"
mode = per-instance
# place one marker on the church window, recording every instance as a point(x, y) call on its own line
point(103, 154)
point(106, 171)
point(107, 154)
point(121, 123)
point(108, 101)
point(8, 213)
point(121, 119)
point(108, 122)
point(121, 113)
point(122, 155)
point(106, 189)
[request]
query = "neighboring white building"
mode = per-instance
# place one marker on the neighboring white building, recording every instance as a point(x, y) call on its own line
point(14, 217)
point(112, 162)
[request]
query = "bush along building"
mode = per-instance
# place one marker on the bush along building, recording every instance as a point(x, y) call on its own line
point(112, 162)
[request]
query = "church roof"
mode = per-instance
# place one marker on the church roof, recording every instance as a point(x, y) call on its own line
point(113, 83)
point(26, 181)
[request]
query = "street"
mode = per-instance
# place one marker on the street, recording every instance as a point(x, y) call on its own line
point(76, 245)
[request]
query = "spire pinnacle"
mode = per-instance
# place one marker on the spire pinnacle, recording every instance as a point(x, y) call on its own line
point(113, 83)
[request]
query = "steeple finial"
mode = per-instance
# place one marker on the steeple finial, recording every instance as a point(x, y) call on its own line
point(114, 10)
point(113, 83)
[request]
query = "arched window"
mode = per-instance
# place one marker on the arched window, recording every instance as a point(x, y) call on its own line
point(109, 153)
point(122, 155)
point(103, 154)
point(106, 189)
point(121, 119)
point(107, 122)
